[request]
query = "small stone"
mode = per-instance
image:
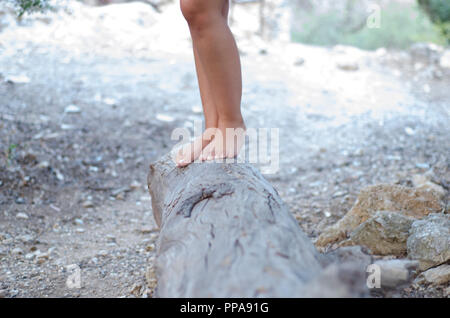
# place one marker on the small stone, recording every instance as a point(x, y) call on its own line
point(102, 253)
point(43, 165)
point(72, 109)
point(409, 131)
point(79, 221)
point(110, 238)
point(80, 230)
point(26, 238)
point(17, 79)
point(88, 204)
point(347, 66)
point(135, 184)
point(165, 118)
point(136, 290)
point(2, 293)
point(299, 62)
point(30, 256)
point(22, 216)
point(110, 101)
point(17, 251)
point(423, 181)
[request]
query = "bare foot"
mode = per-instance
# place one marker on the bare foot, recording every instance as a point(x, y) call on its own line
point(228, 140)
point(190, 152)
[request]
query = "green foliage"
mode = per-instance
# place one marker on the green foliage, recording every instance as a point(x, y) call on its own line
point(30, 5)
point(10, 153)
point(401, 25)
point(438, 10)
point(439, 13)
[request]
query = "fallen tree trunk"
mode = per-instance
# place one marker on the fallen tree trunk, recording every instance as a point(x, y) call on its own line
point(225, 232)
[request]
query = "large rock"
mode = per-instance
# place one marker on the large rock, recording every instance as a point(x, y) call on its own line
point(429, 240)
point(384, 234)
point(436, 276)
point(412, 202)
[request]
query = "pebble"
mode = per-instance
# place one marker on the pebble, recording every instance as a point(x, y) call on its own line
point(72, 109)
point(88, 204)
point(165, 118)
point(26, 238)
point(22, 216)
point(348, 66)
point(17, 79)
point(102, 253)
point(299, 62)
point(79, 221)
point(17, 251)
point(30, 255)
point(80, 230)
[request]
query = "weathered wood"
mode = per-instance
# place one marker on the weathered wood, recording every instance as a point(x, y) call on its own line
point(225, 232)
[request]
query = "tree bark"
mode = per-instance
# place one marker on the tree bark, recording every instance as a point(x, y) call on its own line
point(225, 232)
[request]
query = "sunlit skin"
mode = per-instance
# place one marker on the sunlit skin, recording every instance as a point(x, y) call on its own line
point(218, 70)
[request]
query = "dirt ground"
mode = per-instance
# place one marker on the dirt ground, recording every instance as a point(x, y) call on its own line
point(73, 179)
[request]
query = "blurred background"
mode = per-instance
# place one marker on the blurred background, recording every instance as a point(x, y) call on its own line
point(90, 92)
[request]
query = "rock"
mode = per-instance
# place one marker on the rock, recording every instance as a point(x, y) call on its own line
point(80, 230)
point(395, 273)
point(429, 240)
point(17, 251)
point(135, 185)
point(447, 291)
point(384, 234)
point(411, 202)
point(110, 238)
point(30, 255)
point(299, 62)
point(78, 221)
point(2, 293)
point(165, 118)
point(88, 204)
point(426, 51)
point(150, 277)
point(444, 61)
point(17, 79)
point(43, 165)
point(424, 181)
point(436, 276)
point(136, 290)
point(347, 65)
point(72, 109)
point(26, 238)
point(102, 253)
point(22, 216)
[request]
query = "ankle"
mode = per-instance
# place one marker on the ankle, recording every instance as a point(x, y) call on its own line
point(237, 122)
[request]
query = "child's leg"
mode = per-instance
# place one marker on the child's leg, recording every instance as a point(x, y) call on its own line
point(191, 152)
point(219, 58)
